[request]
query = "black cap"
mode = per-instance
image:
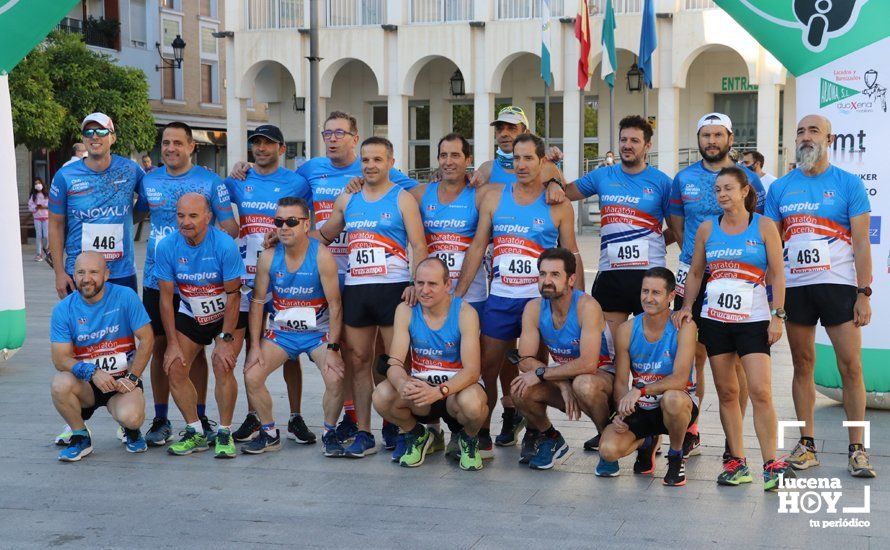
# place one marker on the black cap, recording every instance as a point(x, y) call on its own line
point(269, 132)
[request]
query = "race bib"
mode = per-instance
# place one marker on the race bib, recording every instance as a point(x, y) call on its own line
point(682, 273)
point(453, 259)
point(114, 364)
point(730, 300)
point(434, 377)
point(629, 254)
point(367, 261)
point(296, 319)
point(105, 238)
point(809, 256)
point(253, 244)
point(338, 246)
point(208, 309)
point(518, 270)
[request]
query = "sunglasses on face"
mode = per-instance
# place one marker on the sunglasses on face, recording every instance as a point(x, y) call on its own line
point(339, 134)
point(291, 222)
point(90, 132)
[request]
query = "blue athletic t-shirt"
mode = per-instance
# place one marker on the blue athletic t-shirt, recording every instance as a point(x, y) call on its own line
point(199, 272)
point(158, 195)
point(98, 207)
point(102, 333)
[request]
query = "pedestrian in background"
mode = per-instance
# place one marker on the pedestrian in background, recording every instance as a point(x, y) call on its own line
point(38, 203)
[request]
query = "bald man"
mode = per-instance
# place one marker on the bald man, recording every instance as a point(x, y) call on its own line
point(823, 216)
point(94, 334)
point(205, 265)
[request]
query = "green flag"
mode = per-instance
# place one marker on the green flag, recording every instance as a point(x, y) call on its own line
point(806, 34)
point(610, 61)
point(24, 23)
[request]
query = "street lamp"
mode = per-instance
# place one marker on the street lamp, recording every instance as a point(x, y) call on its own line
point(634, 79)
point(457, 84)
point(178, 46)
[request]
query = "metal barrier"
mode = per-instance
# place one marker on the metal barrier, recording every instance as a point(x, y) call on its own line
point(441, 11)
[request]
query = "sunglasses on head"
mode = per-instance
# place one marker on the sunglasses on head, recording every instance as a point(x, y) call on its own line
point(291, 221)
point(90, 132)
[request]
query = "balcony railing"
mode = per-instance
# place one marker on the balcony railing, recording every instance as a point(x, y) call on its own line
point(276, 14)
point(529, 9)
point(355, 13)
point(441, 11)
point(700, 4)
point(598, 7)
point(101, 33)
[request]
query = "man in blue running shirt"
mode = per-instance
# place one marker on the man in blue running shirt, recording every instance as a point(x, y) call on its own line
point(94, 334)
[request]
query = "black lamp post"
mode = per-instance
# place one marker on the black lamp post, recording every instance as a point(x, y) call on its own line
point(457, 84)
point(178, 46)
point(634, 79)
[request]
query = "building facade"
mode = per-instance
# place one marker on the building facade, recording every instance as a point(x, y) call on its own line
point(391, 64)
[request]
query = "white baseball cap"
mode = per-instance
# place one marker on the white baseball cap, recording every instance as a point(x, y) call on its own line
point(511, 114)
point(715, 119)
point(101, 119)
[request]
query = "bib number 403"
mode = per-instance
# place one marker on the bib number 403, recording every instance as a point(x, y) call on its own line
point(730, 301)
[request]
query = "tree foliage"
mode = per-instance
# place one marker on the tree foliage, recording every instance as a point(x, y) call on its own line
point(61, 81)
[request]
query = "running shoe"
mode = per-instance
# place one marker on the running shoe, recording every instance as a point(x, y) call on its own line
point(78, 447)
point(121, 434)
point(529, 445)
point(550, 449)
point(607, 469)
point(191, 442)
point(645, 463)
point(297, 430)
point(263, 443)
point(248, 430)
point(486, 449)
point(224, 446)
point(401, 447)
point(389, 434)
point(417, 447)
point(438, 443)
point(735, 472)
point(362, 446)
point(135, 442)
point(346, 429)
point(64, 438)
point(470, 459)
point(860, 466)
point(691, 445)
point(513, 422)
point(452, 450)
point(160, 432)
point(592, 444)
point(803, 457)
point(773, 471)
point(676, 474)
point(208, 426)
point(332, 446)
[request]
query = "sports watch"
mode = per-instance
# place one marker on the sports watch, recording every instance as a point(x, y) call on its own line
point(444, 389)
point(779, 312)
point(226, 337)
point(334, 346)
point(539, 372)
point(132, 378)
point(642, 387)
point(864, 290)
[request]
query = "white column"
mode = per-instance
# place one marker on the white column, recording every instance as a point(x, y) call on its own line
point(768, 124)
point(571, 133)
point(483, 136)
point(789, 124)
point(236, 113)
point(397, 106)
point(668, 129)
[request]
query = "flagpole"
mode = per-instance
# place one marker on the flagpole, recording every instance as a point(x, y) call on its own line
point(546, 114)
point(612, 119)
point(581, 155)
point(645, 101)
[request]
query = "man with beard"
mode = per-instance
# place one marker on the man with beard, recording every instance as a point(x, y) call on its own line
point(823, 215)
point(693, 201)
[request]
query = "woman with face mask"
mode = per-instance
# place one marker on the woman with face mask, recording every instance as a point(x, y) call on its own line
point(38, 203)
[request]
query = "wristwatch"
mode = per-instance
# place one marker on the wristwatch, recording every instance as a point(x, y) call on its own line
point(333, 346)
point(779, 312)
point(642, 387)
point(444, 389)
point(132, 378)
point(226, 337)
point(864, 290)
point(557, 182)
point(539, 372)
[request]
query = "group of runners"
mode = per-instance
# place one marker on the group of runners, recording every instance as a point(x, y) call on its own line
point(421, 300)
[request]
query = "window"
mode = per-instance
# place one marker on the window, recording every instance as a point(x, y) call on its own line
point(742, 109)
point(168, 77)
point(379, 121)
point(138, 32)
point(206, 83)
point(462, 120)
point(208, 42)
point(170, 4)
point(170, 27)
point(207, 8)
point(555, 121)
point(419, 135)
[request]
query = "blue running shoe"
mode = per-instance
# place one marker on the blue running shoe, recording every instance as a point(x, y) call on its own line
point(135, 442)
point(607, 469)
point(390, 433)
point(332, 446)
point(401, 447)
point(362, 446)
point(550, 449)
point(78, 447)
point(346, 429)
point(160, 432)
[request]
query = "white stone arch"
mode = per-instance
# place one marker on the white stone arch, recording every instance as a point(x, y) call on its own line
point(749, 60)
point(329, 73)
point(410, 77)
point(258, 69)
point(497, 75)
